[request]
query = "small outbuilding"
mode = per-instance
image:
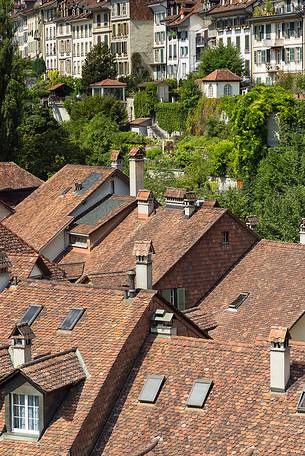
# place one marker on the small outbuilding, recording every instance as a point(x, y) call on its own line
point(59, 90)
point(140, 125)
point(220, 83)
point(109, 87)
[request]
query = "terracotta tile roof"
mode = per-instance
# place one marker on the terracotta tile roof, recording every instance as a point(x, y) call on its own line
point(173, 192)
point(140, 121)
point(143, 248)
point(171, 233)
point(144, 195)
point(100, 335)
point(234, 6)
point(278, 334)
point(48, 210)
point(109, 83)
point(56, 371)
point(6, 367)
point(14, 177)
point(239, 414)
point(137, 151)
point(116, 155)
point(23, 257)
point(273, 273)
point(56, 86)
point(222, 75)
point(73, 270)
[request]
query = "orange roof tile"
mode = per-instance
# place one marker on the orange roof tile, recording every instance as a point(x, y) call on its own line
point(222, 75)
point(14, 177)
point(109, 83)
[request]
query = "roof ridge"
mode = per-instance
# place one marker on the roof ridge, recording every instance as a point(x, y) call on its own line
point(46, 357)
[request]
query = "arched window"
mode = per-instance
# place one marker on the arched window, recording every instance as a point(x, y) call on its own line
point(210, 91)
point(227, 90)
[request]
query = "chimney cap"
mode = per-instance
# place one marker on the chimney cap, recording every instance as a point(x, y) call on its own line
point(137, 152)
point(278, 334)
point(176, 193)
point(116, 155)
point(22, 330)
point(210, 203)
point(190, 196)
point(143, 248)
point(144, 195)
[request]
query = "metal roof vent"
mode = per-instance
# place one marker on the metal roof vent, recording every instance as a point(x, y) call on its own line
point(78, 186)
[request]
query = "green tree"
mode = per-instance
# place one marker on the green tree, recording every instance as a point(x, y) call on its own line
point(38, 66)
point(100, 64)
point(88, 107)
point(218, 57)
point(145, 103)
point(12, 84)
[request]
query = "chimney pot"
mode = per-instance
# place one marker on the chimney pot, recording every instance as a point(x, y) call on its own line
point(189, 204)
point(146, 204)
point(143, 251)
point(131, 279)
point(279, 358)
point(21, 345)
point(116, 160)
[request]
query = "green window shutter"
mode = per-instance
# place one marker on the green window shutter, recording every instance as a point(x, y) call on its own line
point(181, 298)
point(166, 294)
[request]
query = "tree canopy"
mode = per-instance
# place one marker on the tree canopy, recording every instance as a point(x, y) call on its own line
point(99, 64)
point(220, 57)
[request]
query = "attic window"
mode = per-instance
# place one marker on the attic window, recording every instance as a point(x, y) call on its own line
point(71, 319)
point(238, 301)
point(78, 241)
point(225, 237)
point(301, 403)
point(199, 393)
point(151, 388)
point(31, 314)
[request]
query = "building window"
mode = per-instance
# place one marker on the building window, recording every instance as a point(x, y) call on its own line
point(25, 413)
point(210, 91)
point(237, 42)
point(175, 296)
point(98, 20)
point(247, 43)
point(225, 237)
point(78, 241)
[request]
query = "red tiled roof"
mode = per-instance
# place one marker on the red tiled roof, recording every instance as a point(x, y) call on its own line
point(234, 6)
point(23, 257)
point(240, 413)
point(109, 83)
point(56, 371)
point(56, 86)
point(171, 233)
point(48, 209)
point(100, 337)
point(135, 151)
point(115, 155)
point(273, 273)
point(144, 195)
point(177, 193)
point(222, 75)
point(140, 121)
point(14, 177)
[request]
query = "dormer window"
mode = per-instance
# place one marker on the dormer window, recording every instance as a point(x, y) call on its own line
point(25, 413)
point(77, 240)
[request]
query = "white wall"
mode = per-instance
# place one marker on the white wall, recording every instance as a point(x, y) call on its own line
point(4, 212)
point(55, 247)
point(297, 332)
point(218, 88)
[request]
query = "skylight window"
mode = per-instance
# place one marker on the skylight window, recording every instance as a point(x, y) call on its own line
point(151, 388)
point(301, 403)
point(199, 393)
point(71, 319)
point(238, 301)
point(31, 314)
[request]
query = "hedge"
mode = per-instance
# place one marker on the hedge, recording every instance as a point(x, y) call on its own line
point(171, 117)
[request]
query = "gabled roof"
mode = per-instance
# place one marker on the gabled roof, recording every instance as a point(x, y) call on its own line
point(49, 209)
point(23, 257)
point(100, 336)
point(222, 75)
point(12, 177)
point(171, 233)
point(240, 416)
point(274, 276)
point(109, 83)
point(231, 7)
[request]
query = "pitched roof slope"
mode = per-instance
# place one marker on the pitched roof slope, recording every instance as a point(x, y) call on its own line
point(12, 177)
point(239, 414)
point(274, 275)
point(170, 232)
point(222, 75)
point(23, 257)
point(46, 211)
point(99, 335)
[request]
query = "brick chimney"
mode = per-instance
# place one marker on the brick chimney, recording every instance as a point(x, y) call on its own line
point(279, 358)
point(21, 345)
point(189, 204)
point(5, 265)
point(146, 204)
point(143, 251)
point(116, 160)
point(302, 231)
point(136, 170)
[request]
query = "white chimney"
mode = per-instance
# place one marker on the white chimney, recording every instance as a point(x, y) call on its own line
point(279, 358)
point(174, 197)
point(5, 265)
point(136, 170)
point(146, 204)
point(302, 231)
point(21, 346)
point(143, 251)
point(116, 160)
point(189, 204)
